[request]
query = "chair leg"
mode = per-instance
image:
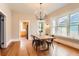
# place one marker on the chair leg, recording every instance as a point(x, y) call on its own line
point(32, 43)
point(36, 48)
point(52, 45)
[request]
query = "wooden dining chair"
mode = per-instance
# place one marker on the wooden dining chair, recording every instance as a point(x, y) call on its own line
point(53, 40)
point(36, 42)
point(50, 41)
point(33, 39)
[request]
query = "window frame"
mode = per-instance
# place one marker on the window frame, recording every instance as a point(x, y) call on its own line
point(67, 25)
point(76, 36)
point(62, 26)
point(40, 29)
point(70, 15)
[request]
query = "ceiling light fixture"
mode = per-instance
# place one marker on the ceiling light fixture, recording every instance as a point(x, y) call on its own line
point(41, 15)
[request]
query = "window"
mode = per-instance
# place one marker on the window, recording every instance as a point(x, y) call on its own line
point(67, 26)
point(74, 25)
point(41, 27)
point(62, 26)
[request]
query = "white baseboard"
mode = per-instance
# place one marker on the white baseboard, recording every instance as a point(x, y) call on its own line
point(10, 41)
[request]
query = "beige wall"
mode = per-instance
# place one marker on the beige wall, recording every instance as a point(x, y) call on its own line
point(5, 10)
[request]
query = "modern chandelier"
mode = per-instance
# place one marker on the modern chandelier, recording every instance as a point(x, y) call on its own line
point(41, 15)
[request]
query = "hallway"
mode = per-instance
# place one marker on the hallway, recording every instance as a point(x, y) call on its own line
point(24, 48)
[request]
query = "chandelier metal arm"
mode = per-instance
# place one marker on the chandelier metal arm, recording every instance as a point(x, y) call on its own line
point(42, 15)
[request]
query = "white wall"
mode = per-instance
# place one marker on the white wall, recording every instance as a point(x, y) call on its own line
point(12, 24)
point(70, 8)
point(5, 10)
point(16, 17)
point(64, 11)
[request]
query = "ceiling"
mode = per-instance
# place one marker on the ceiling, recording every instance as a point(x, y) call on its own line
point(32, 8)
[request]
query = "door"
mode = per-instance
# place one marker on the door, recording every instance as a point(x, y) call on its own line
point(25, 27)
point(27, 30)
point(1, 31)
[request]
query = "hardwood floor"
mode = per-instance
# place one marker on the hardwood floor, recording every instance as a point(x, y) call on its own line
point(24, 48)
point(63, 50)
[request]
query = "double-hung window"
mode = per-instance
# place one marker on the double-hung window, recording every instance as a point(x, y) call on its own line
point(62, 26)
point(74, 25)
point(41, 24)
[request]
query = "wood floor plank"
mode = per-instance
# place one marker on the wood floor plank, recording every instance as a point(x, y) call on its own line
point(24, 48)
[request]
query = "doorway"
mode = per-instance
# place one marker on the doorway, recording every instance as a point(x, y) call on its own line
point(1, 30)
point(24, 27)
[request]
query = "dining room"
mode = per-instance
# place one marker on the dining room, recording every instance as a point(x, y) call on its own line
point(41, 29)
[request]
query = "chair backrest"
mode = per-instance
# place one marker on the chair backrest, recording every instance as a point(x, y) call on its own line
point(51, 39)
point(52, 35)
point(33, 37)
